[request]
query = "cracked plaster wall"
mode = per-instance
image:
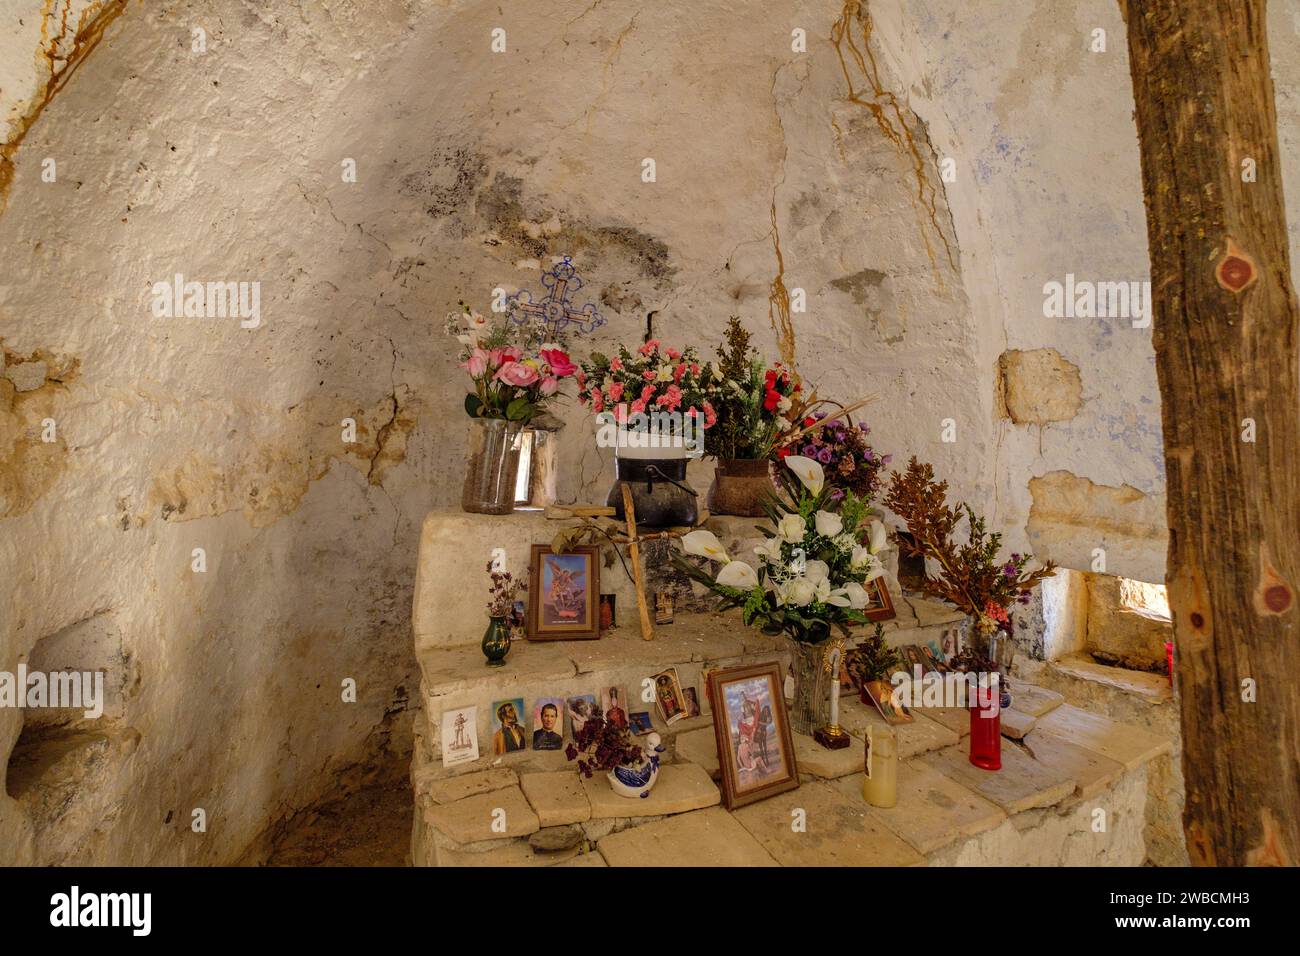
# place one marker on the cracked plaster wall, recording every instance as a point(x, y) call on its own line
point(776, 171)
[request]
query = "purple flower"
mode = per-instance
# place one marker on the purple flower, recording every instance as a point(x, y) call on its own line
point(824, 456)
point(819, 416)
point(810, 451)
point(1009, 569)
point(837, 494)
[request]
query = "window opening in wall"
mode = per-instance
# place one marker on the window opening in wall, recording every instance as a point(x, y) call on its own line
point(1141, 596)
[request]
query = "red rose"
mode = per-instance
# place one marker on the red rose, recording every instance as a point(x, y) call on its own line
point(771, 400)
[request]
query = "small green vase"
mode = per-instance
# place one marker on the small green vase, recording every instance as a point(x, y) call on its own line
point(496, 642)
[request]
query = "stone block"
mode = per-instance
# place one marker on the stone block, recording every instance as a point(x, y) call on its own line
point(711, 837)
point(514, 853)
point(1124, 743)
point(839, 830)
point(680, 788)
point(1038, 386)
point(812, 758)
point(1033, 700)
point(557, 797)
point(1014, 723)
point(699, 747)
point(1021, 784)
point(585, 859)
point(1092, 772)
point(932, 810)
point(471, 819)
point(556, 839)
point(444, 790)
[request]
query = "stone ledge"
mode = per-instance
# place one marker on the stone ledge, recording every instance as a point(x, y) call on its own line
point(1153, 687)
point(1120, 742)
point(471, 819)
point(933, 810)
point(680, 788)
point(709, 837)
point(839, 830)
point(1021, 784)
point(557, 797)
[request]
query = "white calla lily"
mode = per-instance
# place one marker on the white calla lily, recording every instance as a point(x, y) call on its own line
point(705, 544)
point(737, 574)
point(857, 595)
point(828, 523)
point(808, 472)
point(860, 558)
point(839, 597)
point(877, 535)
point(877, 571)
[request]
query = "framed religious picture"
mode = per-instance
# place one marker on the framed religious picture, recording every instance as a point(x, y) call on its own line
point(669, 696)
point(508, 732)
point(564, 594)
point(692, 702)
point(548, 723)
point(879, 606)
point(755, 745)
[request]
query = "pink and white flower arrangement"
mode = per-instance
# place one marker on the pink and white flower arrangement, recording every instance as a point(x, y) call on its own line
point(511, 380)
point(651, 379)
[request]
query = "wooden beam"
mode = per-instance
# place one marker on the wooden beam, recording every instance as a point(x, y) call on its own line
point(1226, 329)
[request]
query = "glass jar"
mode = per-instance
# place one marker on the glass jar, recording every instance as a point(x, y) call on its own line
point(493, 466)
point(810, 709)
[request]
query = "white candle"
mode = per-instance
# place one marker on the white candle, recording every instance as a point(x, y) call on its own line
point(835, 687)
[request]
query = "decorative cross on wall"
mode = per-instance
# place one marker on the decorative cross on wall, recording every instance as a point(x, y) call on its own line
point(554, 311)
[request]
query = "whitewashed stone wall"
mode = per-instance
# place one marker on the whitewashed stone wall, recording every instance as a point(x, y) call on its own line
point(474, 169)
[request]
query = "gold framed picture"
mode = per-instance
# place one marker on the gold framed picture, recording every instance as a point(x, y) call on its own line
point(564, 594)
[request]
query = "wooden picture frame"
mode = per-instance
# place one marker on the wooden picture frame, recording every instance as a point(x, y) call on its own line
point(544, 618)
point(880, 607)
point(756, 761)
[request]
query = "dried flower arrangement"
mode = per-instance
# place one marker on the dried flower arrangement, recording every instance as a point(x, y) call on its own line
point(971, 576)
point(503, 592)
point(601, 746)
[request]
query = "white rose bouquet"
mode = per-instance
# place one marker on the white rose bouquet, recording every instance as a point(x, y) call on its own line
point(811, 572)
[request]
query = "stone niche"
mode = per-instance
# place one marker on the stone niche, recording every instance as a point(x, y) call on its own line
point(70, 774)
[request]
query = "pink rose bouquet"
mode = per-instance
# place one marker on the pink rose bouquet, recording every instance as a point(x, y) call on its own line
point(648, 380)
point(511, 380)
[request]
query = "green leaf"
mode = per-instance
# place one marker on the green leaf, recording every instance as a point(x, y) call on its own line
point(519, 410)
point(472, 405)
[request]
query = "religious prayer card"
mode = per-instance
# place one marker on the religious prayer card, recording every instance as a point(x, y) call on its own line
point(459, 736)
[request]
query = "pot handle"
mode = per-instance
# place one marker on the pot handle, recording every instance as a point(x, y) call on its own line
point(672, 481)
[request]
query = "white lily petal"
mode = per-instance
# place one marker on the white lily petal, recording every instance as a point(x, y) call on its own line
point(877, 535)
point(857, 595)
point(839, 597)
point(737, 574)
point(878, 572)
point(705, 544)
point(808, 472)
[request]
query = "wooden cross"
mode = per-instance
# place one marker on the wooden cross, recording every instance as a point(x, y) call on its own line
point(631, 537)
point(554, 311)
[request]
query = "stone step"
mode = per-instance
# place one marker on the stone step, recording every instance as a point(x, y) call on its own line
point(457, 675)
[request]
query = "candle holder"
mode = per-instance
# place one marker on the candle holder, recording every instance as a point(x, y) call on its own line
point(832, 737)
